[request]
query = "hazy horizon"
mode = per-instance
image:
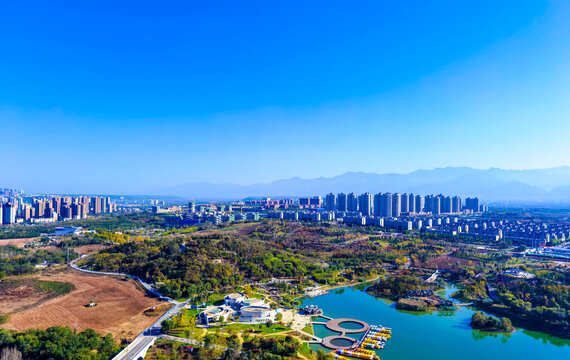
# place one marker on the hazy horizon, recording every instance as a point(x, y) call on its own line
point(229, 182)
point(130, 97)
point(528, 186)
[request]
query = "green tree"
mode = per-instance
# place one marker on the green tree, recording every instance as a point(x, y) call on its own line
point(321, 355)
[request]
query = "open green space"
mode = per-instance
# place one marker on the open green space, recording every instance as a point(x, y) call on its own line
point(309, 329)
point(256, 328)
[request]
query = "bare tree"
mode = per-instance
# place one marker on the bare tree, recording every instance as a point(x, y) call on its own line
point(10, 353)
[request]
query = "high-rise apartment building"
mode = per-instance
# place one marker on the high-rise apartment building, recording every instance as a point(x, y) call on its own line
point(342, 204)
point(412, 203)
point(396, 205)
point(384, 203)
point(330, 202)
point(39, 208)
point(378, 205)
point(66, 212)
point(472, 204)
point(405, 203)
point(352, 202)
point(316, 201)
point(446, 204)
point(436, 205)
point(419, 204)
point(365, 204)
point(76, 211)
point(456, 204)
point(8, 213)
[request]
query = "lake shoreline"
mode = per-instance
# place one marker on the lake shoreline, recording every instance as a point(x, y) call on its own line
point(518, 322)
point(430, 330)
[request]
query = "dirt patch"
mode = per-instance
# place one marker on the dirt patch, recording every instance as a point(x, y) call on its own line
point(88, 249)
point(19, 298)
point(449, 262)
point(20, 242)
point(119, 310)
point(247, 229)
point(50, 248)
point(130, 329)
point(21, 293)
point(237, 229)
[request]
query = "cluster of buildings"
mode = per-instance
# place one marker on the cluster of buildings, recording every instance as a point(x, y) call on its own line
point(517, 274)
point(394, 205)
point(249, 310)
point(313, 202)
point(312, 310)
point(522, 232)
point(557, 253)
point(268, 204)
point(529, 233)
point(398, 211)
point(214, 214)
point(14, 209)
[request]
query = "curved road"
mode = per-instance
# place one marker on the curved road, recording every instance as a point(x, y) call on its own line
point(149, 335)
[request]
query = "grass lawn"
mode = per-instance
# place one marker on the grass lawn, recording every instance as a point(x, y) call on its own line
point(305, 349)
point(216, 299)
point(309, 329)
point(192, 312)
point(264, 329)
point(196, 333)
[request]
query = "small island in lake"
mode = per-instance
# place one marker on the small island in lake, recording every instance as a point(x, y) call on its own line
point(490, 323)
point(411, 292)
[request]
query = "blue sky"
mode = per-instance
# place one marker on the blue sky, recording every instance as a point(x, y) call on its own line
point(105, 97)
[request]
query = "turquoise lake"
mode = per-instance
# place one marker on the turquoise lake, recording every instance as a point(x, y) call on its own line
point(437, 335)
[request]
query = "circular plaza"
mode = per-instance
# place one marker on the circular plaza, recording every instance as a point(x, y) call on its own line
point(351, 326)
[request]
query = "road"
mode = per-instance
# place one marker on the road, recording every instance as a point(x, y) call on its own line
point(149, 335)
point(133, 352)
point(492, 293)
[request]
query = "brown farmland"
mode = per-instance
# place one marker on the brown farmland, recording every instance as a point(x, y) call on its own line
point(20, 242)
point(120, 306)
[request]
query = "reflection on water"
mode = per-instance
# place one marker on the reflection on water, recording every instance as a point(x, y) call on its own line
point(342, 342)
point(480, 335)
point(339, 291)
point(446, 313)
point(436, 335)
point(547, 339)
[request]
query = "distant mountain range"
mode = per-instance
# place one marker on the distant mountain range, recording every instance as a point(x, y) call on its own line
point(539, 185)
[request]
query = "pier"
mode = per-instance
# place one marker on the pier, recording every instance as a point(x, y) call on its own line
point(341, 341)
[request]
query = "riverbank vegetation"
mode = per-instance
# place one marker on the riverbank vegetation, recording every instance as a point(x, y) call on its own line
point(543, 301)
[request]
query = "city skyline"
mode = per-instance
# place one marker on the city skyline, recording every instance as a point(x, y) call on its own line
point(212, 91)
point(248, 180)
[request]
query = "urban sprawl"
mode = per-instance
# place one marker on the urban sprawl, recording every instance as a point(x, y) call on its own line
point(397, 212)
